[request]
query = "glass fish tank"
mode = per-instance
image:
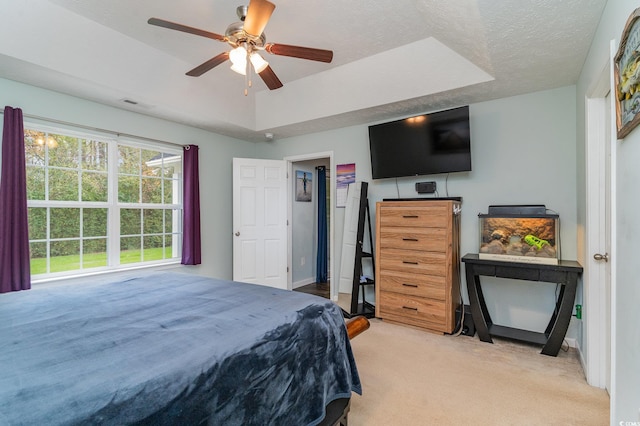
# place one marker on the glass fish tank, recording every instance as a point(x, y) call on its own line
point(518, 238)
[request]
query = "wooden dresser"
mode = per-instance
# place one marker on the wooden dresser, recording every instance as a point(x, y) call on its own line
point(418, 262)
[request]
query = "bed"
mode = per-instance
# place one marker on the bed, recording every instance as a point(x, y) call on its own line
point(172, 348)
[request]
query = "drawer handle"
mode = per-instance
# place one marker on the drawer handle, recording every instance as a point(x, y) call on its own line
point(410, 285)
point(409, 263)
point(409, 239)
point(410, 308)
point(410, 216)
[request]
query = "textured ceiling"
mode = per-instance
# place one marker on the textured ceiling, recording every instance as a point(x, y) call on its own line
point(391, 57)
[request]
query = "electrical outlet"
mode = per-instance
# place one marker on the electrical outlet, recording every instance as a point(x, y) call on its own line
point(302, 261)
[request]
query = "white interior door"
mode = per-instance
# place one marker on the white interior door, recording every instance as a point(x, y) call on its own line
point(598, 256)
point(260, 222)
point(607, 224)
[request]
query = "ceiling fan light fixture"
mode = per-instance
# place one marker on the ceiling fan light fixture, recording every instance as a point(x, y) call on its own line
point(246, 39)
point(238, 57)
point(258, 62)
point(240, 69)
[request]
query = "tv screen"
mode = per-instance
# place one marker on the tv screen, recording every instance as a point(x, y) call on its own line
point(426, 144)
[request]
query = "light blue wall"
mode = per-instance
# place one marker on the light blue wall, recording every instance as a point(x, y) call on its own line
point(216, 153)
point(523, 152)
point(626, 359)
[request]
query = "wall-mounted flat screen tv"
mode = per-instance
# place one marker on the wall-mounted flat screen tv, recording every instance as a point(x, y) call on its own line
point(426, 144)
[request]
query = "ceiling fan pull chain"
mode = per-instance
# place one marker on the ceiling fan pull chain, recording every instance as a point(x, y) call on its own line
point(247, 74)
point(247, 81)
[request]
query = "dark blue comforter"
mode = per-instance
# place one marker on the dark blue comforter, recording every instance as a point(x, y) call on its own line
point(170, 348)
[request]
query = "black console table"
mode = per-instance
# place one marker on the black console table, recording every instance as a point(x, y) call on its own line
point(566, 273)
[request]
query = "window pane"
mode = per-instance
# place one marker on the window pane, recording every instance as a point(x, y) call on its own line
point(63, 185)
point(65, 223)
point(35, 183)
point(168, 247)
point(94, 186)
point(151, 190)
point(169, 191)
point(128, 160)
point(37, 223)
point(94, 155)
point(94, 222)
point(63, 151)
point(38, 253)
point(94, 253)
point(153, 248)
point(168, 221)
point(130, 222)
point(130, 250)
point(151, 163)
point(169, 169)
point(128, 189)
point(152, 221)
point(34, 151)
point(65, 255)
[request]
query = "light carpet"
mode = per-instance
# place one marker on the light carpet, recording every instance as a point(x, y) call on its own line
point(413, 377)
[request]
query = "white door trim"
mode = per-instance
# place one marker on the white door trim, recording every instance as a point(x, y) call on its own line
point(290, 196)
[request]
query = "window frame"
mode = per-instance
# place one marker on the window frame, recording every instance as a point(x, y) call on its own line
point(112, 205)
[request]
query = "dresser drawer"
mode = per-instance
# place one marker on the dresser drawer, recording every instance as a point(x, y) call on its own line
point(418, 311)
point(421, 262)
point(426, 239)
point(419, 285)
point(429, 216)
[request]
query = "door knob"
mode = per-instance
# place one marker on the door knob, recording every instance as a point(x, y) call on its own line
point(238, 234)
point(599, 256)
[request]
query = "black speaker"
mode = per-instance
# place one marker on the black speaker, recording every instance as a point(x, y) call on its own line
point(468, 327)
point(425, 187)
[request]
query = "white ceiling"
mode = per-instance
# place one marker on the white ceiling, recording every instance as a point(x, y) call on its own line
point(392, 58)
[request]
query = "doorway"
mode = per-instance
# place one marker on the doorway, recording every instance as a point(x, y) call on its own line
point(303, 220)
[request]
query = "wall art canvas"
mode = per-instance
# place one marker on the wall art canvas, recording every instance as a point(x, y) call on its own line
point(627, 77)
point(345, 174)
point(303, 185)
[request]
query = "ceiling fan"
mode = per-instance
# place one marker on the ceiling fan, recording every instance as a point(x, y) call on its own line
point(247, 39)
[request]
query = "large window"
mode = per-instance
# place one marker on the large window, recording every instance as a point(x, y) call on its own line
point(100, 203)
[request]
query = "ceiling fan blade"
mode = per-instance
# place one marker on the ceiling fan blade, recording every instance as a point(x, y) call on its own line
point(211, 63)
point(270, 78)
point(310, 53)
point(179, 27)
point(258, 14)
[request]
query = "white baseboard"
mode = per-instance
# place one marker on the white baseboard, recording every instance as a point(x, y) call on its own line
point(573, 343)
point(300, 283)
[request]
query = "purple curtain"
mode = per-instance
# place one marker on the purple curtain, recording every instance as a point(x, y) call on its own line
point(15, 273)
point(191, 251)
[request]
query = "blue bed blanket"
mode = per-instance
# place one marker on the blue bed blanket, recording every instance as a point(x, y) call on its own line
point(170, 349)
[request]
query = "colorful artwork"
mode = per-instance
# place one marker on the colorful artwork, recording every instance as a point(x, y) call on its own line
point(627, 77)
point(345, 174)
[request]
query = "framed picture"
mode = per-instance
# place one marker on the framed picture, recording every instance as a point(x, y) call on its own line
point(345, 174)
point(303, 185)
point(627, 77)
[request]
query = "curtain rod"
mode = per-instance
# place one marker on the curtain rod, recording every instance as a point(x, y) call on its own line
point(96, 129)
